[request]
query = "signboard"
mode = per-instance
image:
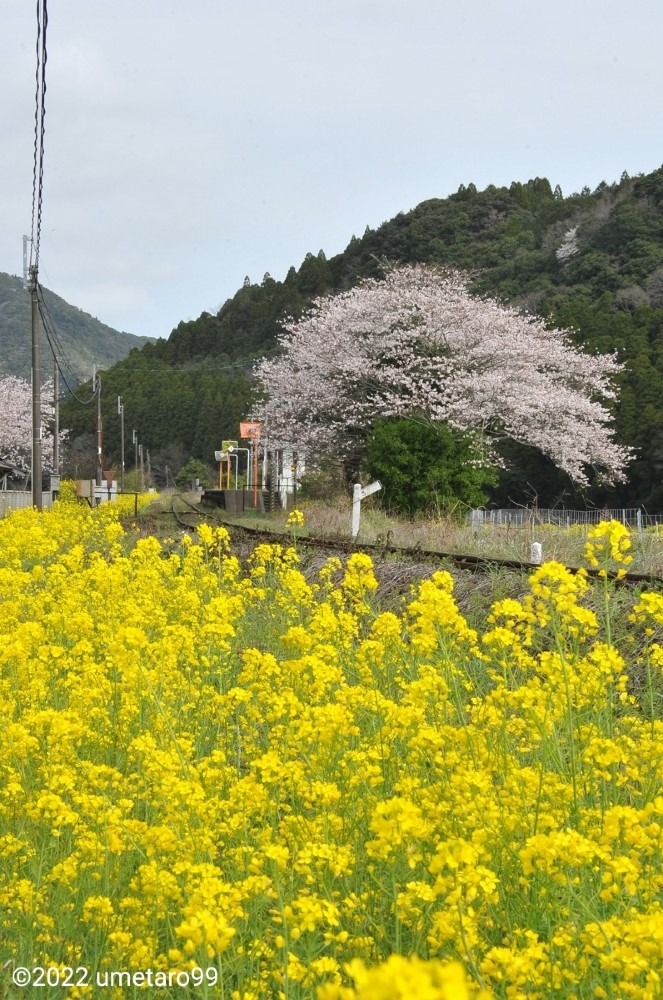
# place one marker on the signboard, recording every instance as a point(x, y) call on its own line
point(368, 490)
point(229, 445)
point(220, 456)
point(250, 429)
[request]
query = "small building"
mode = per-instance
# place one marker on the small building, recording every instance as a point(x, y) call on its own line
point(9, 471)
point(13, 492)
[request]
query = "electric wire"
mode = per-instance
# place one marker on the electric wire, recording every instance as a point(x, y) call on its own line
point(53, 332)
point(40, 128)
point(193, 367)
point(36, 223)
point(72, 392)
point(47, 321)
point(56, 345)
point(51, 336)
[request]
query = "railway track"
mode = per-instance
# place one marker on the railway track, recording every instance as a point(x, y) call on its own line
point(472, 563)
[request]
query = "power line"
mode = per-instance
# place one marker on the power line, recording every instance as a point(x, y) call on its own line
point(167, 369)
point(51, 336)
point(59, 354)
point(54, 334)
point(40, 127)
point(48, 322)
point(37, 199)
point(194, 368)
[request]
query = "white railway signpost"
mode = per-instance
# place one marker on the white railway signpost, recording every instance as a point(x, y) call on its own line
point(360, 493)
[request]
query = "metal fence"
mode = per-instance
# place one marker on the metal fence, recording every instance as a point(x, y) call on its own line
point(524, 517)
point(15, 499)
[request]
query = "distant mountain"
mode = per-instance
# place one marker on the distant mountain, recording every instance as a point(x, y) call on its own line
point(591, 261)
point(84, 341)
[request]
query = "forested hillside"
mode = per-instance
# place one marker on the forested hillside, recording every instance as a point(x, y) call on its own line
point(592, 261)
point(85, 341)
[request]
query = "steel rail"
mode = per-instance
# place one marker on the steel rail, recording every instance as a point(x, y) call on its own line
point(473, 563)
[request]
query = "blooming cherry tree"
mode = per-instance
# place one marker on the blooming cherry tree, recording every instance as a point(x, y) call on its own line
point(16, 421)
point(417, 344)
point(569, 246)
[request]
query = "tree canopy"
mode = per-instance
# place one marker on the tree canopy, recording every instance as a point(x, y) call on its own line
point(590, 262)
point(417, 343)
point(16, 422)
point(425, 467)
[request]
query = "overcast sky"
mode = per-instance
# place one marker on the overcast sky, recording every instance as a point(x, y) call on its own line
point(189, 144)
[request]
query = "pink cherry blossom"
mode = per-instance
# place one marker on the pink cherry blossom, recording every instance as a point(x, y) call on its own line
point(418, 344)
point(16, 422)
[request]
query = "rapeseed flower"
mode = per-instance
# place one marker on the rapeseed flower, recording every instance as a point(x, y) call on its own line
point(258, 771)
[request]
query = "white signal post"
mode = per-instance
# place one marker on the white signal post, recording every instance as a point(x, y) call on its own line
point(232, 453)
point(235, 452)
point(360, 493)
point(227, 447)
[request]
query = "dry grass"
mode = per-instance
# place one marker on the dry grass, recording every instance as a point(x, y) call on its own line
point(447, 534)
point(332, 518)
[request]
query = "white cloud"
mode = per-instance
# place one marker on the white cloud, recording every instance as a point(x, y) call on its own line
point(190, 144)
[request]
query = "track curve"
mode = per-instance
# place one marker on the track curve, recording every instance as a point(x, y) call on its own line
point(477, 564)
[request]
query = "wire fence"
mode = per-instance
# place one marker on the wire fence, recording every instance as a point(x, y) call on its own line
point(526, 517)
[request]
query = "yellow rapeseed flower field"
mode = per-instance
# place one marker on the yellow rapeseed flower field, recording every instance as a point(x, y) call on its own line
point(259, 785)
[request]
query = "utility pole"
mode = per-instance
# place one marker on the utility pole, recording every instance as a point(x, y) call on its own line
point(97, 388)
point(134, 441)
point(36, 394)
point(120, 410)
point(56, 411)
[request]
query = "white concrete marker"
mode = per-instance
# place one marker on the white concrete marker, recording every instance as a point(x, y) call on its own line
point(360, 493)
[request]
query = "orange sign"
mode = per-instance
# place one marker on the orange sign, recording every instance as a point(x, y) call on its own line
point(250, 429)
